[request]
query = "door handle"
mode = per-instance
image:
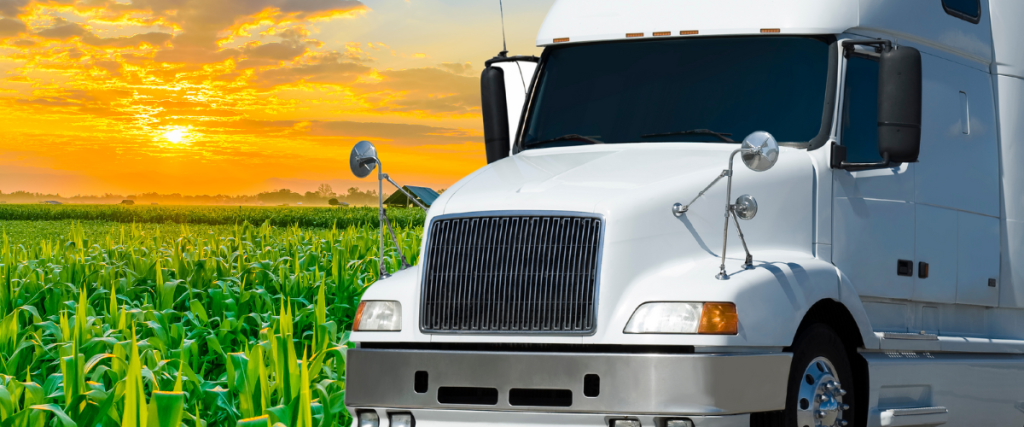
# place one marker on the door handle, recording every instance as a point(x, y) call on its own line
point(905, 268)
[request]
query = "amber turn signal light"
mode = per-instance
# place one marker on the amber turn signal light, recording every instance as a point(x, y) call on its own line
point(719, 318)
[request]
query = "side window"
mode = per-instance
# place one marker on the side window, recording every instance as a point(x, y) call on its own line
point(968, 10)
point(860, 110)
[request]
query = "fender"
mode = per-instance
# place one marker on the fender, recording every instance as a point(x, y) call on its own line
point(849, 298)
point(772, 300)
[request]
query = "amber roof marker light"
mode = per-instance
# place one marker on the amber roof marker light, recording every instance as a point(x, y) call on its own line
point(561, 40)
point(662, 33)
point(634, 35)
point(689, 32)
point(770, 31)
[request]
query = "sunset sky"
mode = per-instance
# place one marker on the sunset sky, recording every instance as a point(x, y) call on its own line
point(242, 96)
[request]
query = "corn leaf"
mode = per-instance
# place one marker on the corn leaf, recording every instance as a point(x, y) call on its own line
point(166, 409)
point(135, 409)
point(261, 421)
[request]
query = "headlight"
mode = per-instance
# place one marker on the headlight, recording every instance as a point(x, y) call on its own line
point(717, 318)
point(665, 318)
point(378, 316)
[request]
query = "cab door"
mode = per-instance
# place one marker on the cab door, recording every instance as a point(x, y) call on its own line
point(873, 210)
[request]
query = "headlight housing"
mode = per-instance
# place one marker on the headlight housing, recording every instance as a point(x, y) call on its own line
point(378, 316)
point(715, 318)
point(665, 318)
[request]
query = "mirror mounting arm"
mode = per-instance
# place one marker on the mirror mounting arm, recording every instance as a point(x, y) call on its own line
point(363, 161)
point(678, 209)
point(722, 275)
point(880, 45)
point(748, 263)
point(384, 221)
point(394, 238)
point(759, 151)
point(382, 218)
point(839, 161)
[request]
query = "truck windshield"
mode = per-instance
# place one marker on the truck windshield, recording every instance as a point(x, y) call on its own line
point(681, 90)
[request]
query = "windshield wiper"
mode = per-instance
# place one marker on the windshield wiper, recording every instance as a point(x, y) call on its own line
point(721, 135)
point(569, 137)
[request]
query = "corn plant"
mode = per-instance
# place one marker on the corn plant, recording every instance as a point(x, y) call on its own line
point(165, 325)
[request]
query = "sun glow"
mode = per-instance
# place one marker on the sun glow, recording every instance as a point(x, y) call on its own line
point(177, 135)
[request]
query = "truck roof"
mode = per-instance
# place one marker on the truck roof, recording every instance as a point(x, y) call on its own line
point(922, 21)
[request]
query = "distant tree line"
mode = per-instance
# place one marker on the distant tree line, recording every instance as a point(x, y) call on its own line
point(321, 197)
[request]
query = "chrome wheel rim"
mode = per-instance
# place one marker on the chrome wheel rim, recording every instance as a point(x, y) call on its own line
point(820, 400)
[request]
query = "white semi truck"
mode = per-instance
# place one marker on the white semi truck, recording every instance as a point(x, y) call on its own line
point(871, 269)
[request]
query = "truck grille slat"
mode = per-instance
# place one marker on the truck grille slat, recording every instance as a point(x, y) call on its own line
point(517, 273)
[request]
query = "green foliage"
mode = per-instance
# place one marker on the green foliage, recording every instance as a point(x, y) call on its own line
point(321, 217)
point(166, 325)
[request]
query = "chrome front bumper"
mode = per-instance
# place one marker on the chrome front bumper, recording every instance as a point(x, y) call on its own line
point(630, 384)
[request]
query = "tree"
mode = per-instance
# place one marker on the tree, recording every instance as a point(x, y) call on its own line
point(333, 202)
point(325, 190)
point(282, 196)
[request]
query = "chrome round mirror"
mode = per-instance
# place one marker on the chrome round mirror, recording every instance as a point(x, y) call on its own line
point(760, 151)
point(363, 159)
point(746, 207)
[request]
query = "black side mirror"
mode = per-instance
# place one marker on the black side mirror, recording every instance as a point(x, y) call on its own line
point(899, 108)
point(495, 111)
point(899, 104)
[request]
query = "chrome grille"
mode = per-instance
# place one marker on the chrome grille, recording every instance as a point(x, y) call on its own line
point(508, 274)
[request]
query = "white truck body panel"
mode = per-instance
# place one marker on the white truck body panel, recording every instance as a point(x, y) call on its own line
point(920, 20)
point(1008, 72)
point(1011, 129)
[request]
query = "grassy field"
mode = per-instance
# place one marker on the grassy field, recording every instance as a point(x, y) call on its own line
point(322, 217)
point(148, 322)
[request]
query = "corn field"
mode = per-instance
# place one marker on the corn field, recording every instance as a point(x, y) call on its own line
point(321, 217)
point(166, 325)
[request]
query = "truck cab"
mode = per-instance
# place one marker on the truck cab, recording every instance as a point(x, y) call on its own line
point(735, 213)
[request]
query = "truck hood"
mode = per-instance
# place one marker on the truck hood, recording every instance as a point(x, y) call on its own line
point(633, 187)
point(581, 179)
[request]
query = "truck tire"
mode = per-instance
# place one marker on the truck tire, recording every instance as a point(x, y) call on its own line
point(821, 385)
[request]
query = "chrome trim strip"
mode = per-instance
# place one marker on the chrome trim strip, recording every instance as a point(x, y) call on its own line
point(677, 384)
point(919, 411)
point(425, 262)
point(910, 417)
point(449, 418)
point(909, 336)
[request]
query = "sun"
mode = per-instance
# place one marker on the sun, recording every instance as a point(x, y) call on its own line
point(177, 135)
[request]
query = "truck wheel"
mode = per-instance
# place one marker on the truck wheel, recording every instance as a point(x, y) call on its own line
point(820, 392)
